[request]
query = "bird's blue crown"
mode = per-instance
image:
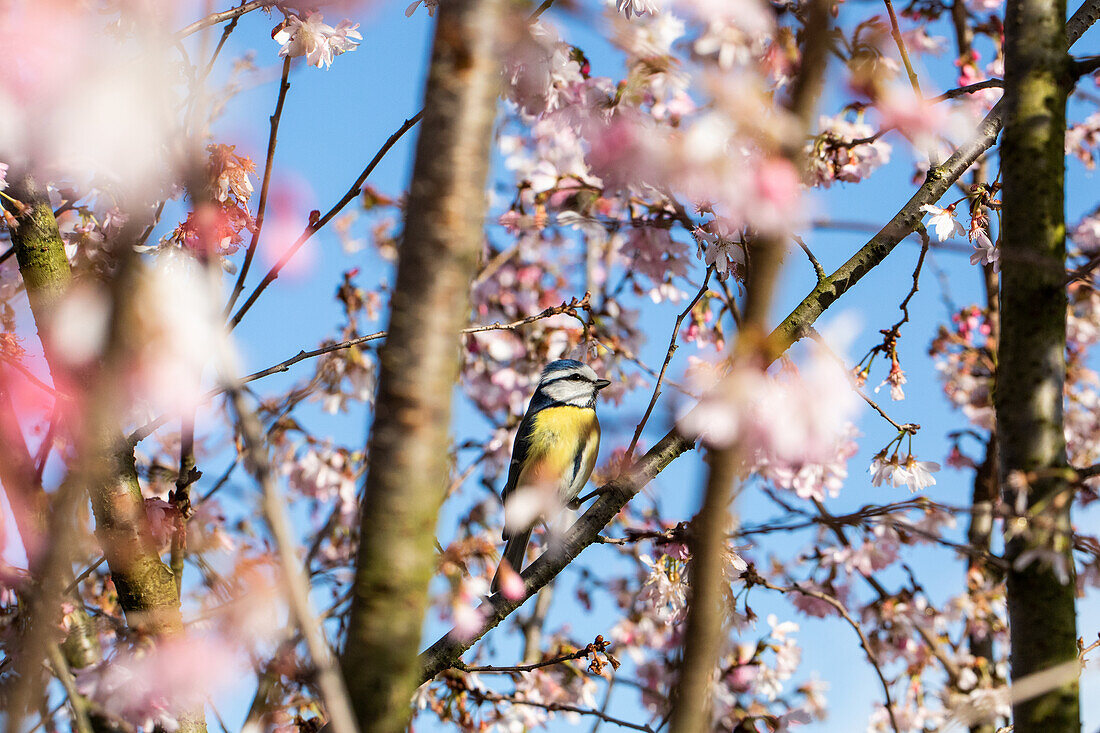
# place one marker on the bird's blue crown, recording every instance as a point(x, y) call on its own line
point(560, 365)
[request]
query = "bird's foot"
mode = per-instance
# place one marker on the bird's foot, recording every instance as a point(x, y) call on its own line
point(576, 503)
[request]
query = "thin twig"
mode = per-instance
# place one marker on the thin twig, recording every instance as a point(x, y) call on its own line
point(80, 578)
point(606, 703)
point(48, 716)
point(754, 579)
point(54, 392)
point(672, 346)
point(180, 499)
point(496, 697)
point(632, 357)
point(65, 676)
point(221, 480)
point(232, 14)
point(145, 234)
point(213, 709)
point(226, 32)
point(895, 31)
point(861, 141)
point(314, 226)
point(908, 427)
point(46, 446)
point(1087, 472)
point(598, 646)
point(1084, 272)
point(494, 264)
point(926, 242)
point(857, 518)
point(1082, 650)
point(1086, 65)
point(730, 301)
point(968, 89)
point(818, 269)
point(261, 208)
point(964, 549)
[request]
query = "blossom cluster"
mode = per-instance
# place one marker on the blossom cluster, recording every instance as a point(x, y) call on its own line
point(316, 40)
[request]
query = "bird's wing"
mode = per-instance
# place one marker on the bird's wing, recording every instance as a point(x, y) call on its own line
point(520, 447)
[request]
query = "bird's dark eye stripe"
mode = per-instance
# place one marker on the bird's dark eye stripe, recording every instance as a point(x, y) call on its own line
point(578, 377)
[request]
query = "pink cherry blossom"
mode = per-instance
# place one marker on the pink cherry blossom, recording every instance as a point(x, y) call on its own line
point(745, 408)
point(891, 471)
point(833, 158)
point(467, 614)
point(718, 247)
point(1086, 234)
point(909, 472)
point(319, 42)
point(154, 685)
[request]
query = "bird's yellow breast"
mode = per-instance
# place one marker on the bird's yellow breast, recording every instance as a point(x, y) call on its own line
point(562, 448)
point(564, 424)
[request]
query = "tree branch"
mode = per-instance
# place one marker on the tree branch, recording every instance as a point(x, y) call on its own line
point(599, 646)
point(76, 701)
point(968, 89)
point(315, 225)
point(895, 31)
point(261, 207)
point(231, 14)
point(668, 358)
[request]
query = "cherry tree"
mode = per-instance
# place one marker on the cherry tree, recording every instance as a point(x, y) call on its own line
point(637, 184)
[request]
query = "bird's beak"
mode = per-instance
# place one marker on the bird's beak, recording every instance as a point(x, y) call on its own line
point(601, 383)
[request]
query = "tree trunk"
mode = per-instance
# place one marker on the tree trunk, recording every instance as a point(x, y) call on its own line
point(1031, 369)
point(419, 366)
point(706, 629)
point(146, 590)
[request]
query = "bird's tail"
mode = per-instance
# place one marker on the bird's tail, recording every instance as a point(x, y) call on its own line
point(514, 553)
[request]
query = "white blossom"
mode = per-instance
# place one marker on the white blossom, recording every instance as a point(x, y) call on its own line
point(943, 222)
point(985, 252)
point(920, 473)
point(638, 7)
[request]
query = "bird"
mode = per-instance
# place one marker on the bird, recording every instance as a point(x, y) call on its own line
point(555, 447)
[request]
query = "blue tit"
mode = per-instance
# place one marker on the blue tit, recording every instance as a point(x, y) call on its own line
point(555, 446)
